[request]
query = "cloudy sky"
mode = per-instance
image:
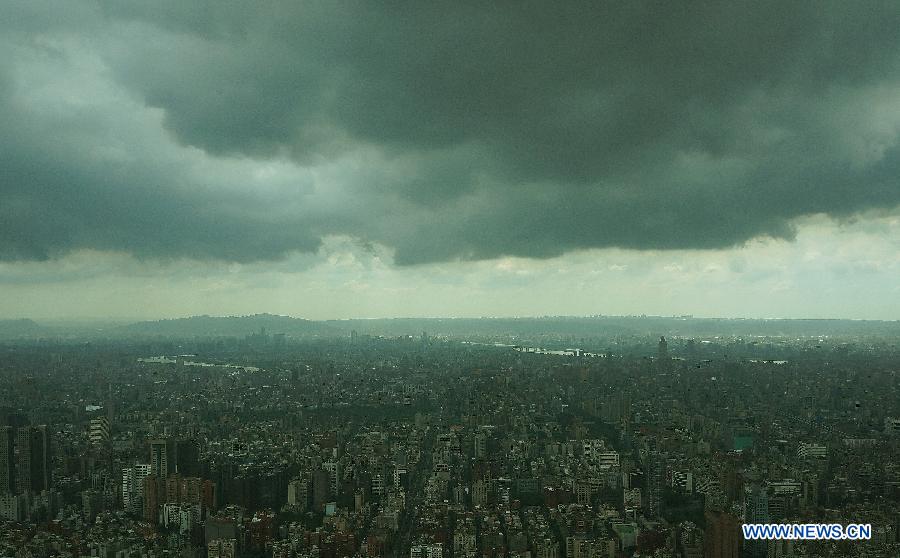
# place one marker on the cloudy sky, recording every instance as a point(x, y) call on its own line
point(338, 159)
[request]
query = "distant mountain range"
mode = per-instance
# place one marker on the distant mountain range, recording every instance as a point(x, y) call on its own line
point(576, 327)
point(10, 329)
point(229, 326)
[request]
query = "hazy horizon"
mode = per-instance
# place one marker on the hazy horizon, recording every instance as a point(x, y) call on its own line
point(88, 320)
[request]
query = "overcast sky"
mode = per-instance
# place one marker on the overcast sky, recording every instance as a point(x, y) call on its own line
point(371, 159)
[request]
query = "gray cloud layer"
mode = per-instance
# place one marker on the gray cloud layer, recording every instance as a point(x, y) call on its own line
point(445, 131)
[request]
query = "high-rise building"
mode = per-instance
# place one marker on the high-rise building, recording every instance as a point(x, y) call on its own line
point(187, 458)
point(333, 467)
point(23, 461)
point(7, 460)
point(756, 510)
point(162, 458)
point(12, 507)
point(183, 490)
point(435, 550)
point(321, 488)
point(662, 350)
point(98, 431)
point(480, 444)
point(614, 408)
point(723, 535)
point(221, 548)
point(812, 451)
point(208, 496)
point(298, 493)
point(151, 499)
point(33, 459)
point(133, 487)
point(172, 491)
point(662, 355)
point(654, 479)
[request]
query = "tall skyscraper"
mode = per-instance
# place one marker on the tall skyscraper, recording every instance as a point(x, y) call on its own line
point(7, 459)
point(133, 487)
point(723, 535)
point(756, 510)
point(321, 486)
point(42, 477)
point(187, 458)
point(654, 478)
point(33, 459)
point(151, 499)
point(162, 458)
point(98, 431)
point(662, 350)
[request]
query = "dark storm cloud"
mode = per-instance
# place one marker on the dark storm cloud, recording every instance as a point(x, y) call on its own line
point(87, 177)
point(521, 129)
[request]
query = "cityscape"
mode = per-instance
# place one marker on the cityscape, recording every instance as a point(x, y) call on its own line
point(386, 279)
point(567, 437)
